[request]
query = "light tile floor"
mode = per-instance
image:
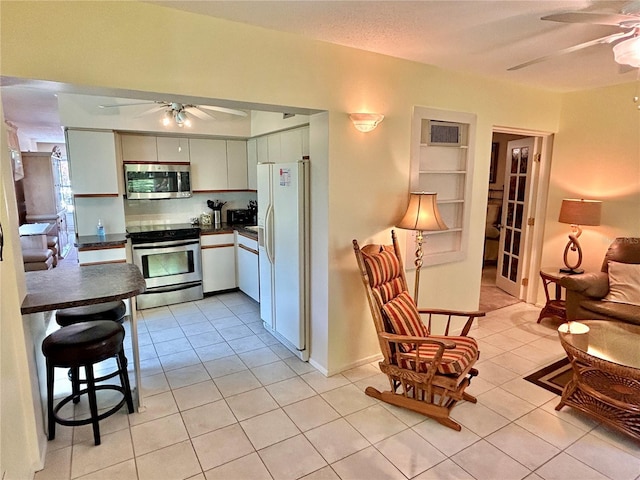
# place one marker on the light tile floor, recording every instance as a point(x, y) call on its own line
point(226, 401)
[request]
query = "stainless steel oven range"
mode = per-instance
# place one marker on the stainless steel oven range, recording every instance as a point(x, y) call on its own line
point(169, 258)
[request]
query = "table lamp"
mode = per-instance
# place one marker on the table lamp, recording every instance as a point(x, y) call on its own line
point(577, 212)
point(422, 215)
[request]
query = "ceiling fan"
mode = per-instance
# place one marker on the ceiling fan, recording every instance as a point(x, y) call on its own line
point(180, 112)
point(626, 43)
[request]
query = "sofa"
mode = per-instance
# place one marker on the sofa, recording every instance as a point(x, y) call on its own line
point(611, 294)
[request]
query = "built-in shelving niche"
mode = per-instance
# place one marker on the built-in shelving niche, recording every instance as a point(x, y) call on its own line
point(442, 145)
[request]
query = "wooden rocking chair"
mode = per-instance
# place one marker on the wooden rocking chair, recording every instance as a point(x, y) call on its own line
point(427, 373)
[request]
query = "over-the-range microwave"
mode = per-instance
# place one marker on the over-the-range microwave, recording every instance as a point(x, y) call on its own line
point(157, 180)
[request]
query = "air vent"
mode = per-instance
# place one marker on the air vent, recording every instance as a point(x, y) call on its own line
point(446, 134)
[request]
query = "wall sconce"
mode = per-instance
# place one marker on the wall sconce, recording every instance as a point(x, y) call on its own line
point(422, 215)
point(577, 212)
point(365, 122)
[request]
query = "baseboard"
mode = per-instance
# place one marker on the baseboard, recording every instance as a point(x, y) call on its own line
point(357, 363)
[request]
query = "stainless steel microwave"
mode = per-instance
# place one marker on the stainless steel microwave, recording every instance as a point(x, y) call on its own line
point(157, 180)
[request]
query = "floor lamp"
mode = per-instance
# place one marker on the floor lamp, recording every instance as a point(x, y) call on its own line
point(422, 215)
point(577, 212)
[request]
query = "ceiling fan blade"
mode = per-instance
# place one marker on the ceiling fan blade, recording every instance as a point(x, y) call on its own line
point(125, 104)
point(575, 48)
point(197, 112)
point(230, 111)
point(155, 109)
point(594, 18)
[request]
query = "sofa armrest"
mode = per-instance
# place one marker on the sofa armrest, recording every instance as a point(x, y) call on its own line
point(594, 285)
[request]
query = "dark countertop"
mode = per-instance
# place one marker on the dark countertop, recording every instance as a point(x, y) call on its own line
point(86, 285)
point(225, 228)
point(94, 241)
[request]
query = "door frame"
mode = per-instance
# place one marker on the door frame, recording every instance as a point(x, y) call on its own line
point(533, 254)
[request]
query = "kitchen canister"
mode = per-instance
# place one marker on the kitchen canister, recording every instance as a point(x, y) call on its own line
point(205, 218)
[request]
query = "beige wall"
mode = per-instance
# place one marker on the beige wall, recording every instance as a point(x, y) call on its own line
point(596, 156)
point(359, 190)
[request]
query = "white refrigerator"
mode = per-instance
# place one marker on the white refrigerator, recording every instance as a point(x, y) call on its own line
point(283, 247)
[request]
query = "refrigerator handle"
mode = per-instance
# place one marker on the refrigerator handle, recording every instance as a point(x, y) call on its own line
point(268, 240)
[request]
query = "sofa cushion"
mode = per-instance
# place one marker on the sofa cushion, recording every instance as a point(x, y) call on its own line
point(624, 283)
point(611, 310)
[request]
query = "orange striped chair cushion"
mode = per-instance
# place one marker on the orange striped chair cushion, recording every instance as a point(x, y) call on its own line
point(453, 362)
point(384, 271)
point(404, 319)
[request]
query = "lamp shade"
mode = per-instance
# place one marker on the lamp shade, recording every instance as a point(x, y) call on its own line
point(365, 122)
point(422, 213)
point(580, 212)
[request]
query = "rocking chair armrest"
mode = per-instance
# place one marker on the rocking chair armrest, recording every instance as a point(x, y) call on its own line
point(392, 337)
point(471, 316)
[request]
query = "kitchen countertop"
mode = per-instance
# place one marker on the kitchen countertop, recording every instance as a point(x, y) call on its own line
point(87, 285)
point(94, 241)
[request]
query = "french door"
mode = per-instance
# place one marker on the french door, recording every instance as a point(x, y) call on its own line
point(516, 231)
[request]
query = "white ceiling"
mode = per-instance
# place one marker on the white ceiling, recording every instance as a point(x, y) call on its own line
point(479, 37)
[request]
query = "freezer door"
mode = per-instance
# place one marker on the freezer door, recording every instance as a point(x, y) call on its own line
point(265, 207)
point(289, 252)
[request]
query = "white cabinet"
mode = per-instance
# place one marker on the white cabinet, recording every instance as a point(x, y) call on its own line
point(252, 164)
point(92, 161)
point(173, 149)
point(247, 263)
point(291, 145)
point(287, 146)
point(218, 262)
point(151, 148)
point(236, 165)
point(208, 164)
point(139, 148)
point(99, 256)
point(274, 148)
point(262, 149)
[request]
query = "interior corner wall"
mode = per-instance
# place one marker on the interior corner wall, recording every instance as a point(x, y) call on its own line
point(20, 449)
point(596, 156)
point(366, 174)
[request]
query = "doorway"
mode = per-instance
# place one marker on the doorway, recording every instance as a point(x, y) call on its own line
point(517, 189)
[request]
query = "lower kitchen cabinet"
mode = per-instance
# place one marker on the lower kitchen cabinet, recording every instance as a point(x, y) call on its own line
point(247, 258)
point(218, 262)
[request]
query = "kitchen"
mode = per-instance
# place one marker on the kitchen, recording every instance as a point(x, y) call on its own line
point(221, 168)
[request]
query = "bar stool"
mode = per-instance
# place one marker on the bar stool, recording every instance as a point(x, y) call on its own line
point(83, 345)
point(115, 311)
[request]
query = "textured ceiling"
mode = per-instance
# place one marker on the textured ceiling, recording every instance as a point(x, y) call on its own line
point(479, 37)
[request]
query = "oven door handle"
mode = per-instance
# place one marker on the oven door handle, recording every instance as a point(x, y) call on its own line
point(165, 245)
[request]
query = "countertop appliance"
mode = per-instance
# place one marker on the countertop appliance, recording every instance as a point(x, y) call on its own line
point(169, 258)
point(283, 246)
point(240, 216)
point(149, 181)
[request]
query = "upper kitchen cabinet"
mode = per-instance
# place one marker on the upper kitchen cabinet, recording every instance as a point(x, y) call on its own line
point(92, 162)
point(291, 145)
point(208, 164)
point(237, 164)
point(286, 146)
point(150, 148)
point(139, 148)
point(173, 149)
point(252, 164)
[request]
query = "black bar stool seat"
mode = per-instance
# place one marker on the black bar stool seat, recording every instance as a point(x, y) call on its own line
point(79, 345)
point(114, 311)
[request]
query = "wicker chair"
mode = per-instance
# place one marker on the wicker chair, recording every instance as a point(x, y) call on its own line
point(427, 373)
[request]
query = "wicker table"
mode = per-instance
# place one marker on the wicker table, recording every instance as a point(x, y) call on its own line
point(606, 372)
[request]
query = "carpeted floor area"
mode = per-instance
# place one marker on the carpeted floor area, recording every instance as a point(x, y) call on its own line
point(491, 297)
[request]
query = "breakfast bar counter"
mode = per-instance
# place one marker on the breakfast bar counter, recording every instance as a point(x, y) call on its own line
point(55, 289)
point(74, 287)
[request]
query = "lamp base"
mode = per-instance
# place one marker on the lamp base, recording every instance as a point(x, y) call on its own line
point(572, 271)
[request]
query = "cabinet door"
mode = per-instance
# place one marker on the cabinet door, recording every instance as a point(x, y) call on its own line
point(237, 164)
point(274, 147)
point(252, 164)
point(139, 148)
point(218, 268)
point(262, 149)
point(173, 149)
point(248, 278)
point(208, 164)
point(291, 145)
point(92, 161)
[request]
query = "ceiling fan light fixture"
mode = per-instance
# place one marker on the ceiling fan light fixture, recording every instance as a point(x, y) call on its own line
point(628, 52)
point(167, 118)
